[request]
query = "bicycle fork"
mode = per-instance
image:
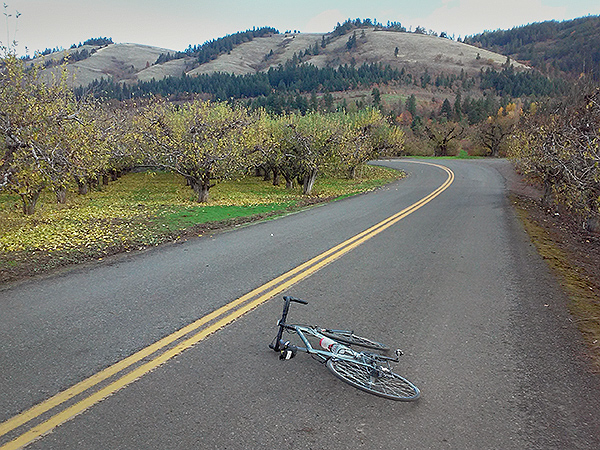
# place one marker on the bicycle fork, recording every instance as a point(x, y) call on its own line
point(276, 344)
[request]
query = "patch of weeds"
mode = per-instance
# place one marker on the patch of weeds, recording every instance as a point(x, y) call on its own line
point(568, 259)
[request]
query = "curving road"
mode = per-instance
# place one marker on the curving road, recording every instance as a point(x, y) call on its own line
point(455, 284)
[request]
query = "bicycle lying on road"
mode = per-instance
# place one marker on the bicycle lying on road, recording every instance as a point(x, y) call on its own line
point(365, 370)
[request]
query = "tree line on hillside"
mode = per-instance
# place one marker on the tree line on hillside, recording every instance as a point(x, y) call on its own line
point(571, 47)
point(212, 49)
point(77, 53)
point(52, 140)
point(75, 56)
point(304, 78)
point(99, 41)
point(509, 82)
point(295, 77)
point(354, 24)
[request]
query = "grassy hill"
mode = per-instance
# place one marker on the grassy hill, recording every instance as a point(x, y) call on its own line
point(415, 51)
point(135, 62)
point(117, 61)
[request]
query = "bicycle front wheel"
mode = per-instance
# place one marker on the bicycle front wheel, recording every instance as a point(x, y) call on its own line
point(348, 337)
point(374, 380)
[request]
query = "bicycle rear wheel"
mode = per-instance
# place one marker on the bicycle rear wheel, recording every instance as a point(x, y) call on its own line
point(348, 337)
point(374, 379)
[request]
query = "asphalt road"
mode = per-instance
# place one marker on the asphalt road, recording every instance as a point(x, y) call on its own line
point(455, 284)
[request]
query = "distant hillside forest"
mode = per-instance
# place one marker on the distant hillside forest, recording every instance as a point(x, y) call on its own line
point(569, 48)
point(284, 89)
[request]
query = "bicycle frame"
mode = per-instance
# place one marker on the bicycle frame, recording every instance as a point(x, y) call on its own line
point(301, 331)
point(342, 350)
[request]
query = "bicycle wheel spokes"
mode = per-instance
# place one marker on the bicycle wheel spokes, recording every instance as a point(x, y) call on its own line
point(373, 379)
point(348, 337)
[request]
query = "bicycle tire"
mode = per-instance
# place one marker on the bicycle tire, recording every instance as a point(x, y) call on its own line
point(371, 379)
point(348, 337)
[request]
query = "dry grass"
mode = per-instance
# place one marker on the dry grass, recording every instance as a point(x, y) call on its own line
point(120, 61)
point(250, 56)
point(415, 52)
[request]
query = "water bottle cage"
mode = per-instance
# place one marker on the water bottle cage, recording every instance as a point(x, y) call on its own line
point(341, 350)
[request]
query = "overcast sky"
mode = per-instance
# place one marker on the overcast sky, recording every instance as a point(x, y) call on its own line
point(175, 24)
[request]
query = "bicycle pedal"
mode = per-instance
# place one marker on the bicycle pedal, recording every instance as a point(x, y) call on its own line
point(287, 354)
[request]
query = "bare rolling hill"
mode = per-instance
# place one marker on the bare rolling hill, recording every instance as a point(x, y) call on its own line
point(134, 62)
point(121, 62)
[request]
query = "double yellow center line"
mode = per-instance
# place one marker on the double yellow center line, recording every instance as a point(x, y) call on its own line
point(96, 388)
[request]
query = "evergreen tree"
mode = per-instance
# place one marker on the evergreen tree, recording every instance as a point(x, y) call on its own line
point(328, 102)
point(446, 110)
point(376, 94)
point(351, 42)
point(313, 104)
point(458, 107)
point(411, 105)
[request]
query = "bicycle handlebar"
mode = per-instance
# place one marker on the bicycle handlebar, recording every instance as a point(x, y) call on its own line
point(287, 298)
point(286, 307)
